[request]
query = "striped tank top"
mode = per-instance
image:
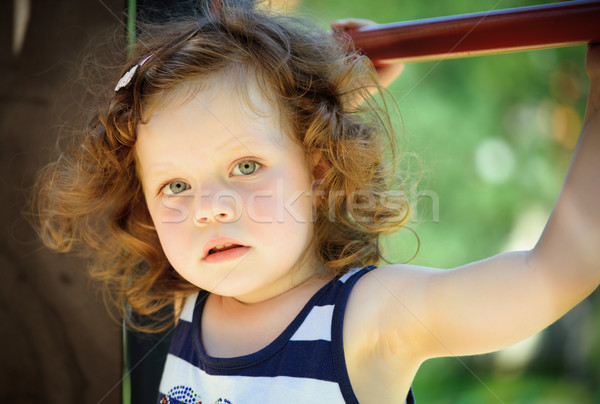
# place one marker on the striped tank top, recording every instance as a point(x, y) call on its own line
point(305, 364)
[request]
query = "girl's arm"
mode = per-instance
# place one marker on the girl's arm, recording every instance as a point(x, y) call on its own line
point(421, 313)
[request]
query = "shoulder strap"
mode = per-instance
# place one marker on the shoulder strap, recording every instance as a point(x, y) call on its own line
point(337, 328)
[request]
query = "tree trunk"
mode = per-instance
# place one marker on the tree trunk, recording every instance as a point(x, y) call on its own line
point(57, 343)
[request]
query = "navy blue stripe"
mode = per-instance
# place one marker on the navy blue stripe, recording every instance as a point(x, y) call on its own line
point(308, 359)
point(181, 344)
point(410, 398)
point(337, 327)
point(328, 297)
point(257, 357)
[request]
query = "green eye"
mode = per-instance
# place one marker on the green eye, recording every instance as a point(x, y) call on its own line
point(246, 167)
point(176, 187)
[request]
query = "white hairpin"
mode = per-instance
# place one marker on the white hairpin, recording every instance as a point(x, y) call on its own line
point(126, 79)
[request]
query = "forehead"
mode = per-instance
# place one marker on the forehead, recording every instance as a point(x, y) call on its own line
point(233, 93)
point(246, 90)
point(200, 120)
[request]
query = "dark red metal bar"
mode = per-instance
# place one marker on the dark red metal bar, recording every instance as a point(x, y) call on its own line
point(551, 25)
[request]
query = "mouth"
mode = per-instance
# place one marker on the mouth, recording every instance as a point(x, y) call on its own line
point(225, 253)
point(223, 249)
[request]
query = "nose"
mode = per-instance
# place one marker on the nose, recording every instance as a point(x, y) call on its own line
point(220, 206)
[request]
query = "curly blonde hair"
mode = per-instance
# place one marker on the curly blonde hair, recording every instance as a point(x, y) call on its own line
point(91, 196)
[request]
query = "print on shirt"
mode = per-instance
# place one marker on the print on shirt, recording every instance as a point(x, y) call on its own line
point(181, 395)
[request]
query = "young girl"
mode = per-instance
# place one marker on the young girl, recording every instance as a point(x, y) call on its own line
point(240, 168)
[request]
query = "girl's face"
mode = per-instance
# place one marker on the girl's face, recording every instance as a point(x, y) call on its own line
point(212, 167)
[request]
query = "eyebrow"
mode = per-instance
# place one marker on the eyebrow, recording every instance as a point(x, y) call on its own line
point(240, 144)
point(243, 143)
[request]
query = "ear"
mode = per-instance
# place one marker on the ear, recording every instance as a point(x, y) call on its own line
point(319, 165)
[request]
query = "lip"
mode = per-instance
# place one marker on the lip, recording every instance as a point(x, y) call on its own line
point(225, 256)
point(214, 242)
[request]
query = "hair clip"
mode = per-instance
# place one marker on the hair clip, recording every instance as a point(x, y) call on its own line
point(126, 79)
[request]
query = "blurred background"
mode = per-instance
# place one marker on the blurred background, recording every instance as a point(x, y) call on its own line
point(494, 136)
point(487, 144)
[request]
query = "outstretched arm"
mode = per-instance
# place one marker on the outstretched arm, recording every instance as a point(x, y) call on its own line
point(494, 303)
point(569, 248)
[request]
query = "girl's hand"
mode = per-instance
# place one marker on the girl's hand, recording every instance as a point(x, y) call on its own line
point(592, 67)
point(387, 73)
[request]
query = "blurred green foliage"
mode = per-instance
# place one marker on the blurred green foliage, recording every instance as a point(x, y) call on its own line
point(494, 135)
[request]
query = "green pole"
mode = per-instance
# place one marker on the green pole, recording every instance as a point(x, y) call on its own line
point(126, 383)
point(131, 21)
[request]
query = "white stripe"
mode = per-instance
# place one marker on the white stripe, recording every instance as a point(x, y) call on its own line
point(317, 325)
point(246, 389)
point(348, 274)
point(187, 312)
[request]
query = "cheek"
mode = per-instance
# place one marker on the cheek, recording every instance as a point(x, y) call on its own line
point(262, 207)
point(171, 209)
point(279, 204)
point(172, 239)
point(170, 215)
